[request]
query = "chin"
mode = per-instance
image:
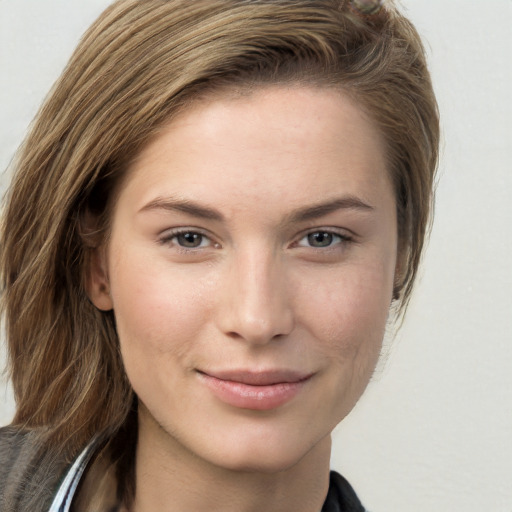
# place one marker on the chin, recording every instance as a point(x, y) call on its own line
point(267, 452)
point(263, 462)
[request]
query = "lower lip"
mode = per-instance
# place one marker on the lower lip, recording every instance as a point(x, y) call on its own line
point(257, 398)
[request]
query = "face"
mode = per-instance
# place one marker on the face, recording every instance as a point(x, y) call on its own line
point(250, 269)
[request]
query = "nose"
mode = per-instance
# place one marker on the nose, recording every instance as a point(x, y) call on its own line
point(255, 305)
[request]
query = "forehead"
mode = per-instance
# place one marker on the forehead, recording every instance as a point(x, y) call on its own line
point(278, 143)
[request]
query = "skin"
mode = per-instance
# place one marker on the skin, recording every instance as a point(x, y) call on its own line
point(265, 288)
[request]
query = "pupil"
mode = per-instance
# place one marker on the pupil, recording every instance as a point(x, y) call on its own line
point(190, 239)
point(320, 239)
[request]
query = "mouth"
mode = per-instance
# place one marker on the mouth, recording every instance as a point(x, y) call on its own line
point(259, 391)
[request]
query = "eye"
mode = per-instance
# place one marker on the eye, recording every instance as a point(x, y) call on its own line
point(187, 239)
point(190, 240)
point(322, 239)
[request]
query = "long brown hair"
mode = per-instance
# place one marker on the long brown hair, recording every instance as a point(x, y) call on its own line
point(139, 64)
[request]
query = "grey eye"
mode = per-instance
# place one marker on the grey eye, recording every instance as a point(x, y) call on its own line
point(320, 239)
point(190, 240)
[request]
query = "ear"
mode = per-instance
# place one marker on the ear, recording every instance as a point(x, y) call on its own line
point(97, 282)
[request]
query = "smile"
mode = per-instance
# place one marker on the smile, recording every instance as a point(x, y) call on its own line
point(259, 391)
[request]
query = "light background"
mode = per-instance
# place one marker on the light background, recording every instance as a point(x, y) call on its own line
point(434, 431)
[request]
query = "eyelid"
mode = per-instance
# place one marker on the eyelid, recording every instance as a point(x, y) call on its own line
point(166, 237)
point(344, 234)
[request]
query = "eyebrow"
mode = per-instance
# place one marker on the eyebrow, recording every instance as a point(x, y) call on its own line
point(300, 215)
point(322, 209)
point(184, 206)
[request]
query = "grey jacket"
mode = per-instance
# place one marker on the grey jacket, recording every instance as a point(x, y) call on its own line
point(25, 482)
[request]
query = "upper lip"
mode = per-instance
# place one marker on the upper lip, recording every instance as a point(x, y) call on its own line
point(259, 378)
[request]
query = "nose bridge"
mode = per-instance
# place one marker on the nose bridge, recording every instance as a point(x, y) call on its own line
point(258, 303)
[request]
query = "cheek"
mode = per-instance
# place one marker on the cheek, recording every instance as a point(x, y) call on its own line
point(157, 312)
point(348, 313)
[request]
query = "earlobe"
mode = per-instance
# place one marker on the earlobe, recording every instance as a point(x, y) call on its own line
point(97, 284)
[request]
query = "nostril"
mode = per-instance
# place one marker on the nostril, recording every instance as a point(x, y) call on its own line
point(259, 330)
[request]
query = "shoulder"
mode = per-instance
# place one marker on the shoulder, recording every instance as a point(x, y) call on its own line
point(341, 496)
point(29, 474)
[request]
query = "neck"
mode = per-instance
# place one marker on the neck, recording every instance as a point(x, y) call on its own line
point(170, 478)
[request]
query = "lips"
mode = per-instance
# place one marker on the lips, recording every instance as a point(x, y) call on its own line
point(260, 391)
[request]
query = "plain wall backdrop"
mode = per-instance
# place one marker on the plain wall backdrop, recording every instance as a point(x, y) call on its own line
point(434, 430)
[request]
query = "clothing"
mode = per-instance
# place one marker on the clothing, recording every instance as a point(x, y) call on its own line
point(32, 480)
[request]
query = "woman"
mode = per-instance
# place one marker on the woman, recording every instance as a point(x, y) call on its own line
point(226, 198)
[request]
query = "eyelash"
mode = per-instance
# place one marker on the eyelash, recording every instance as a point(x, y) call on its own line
point(343, 238)
point(169, 237)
